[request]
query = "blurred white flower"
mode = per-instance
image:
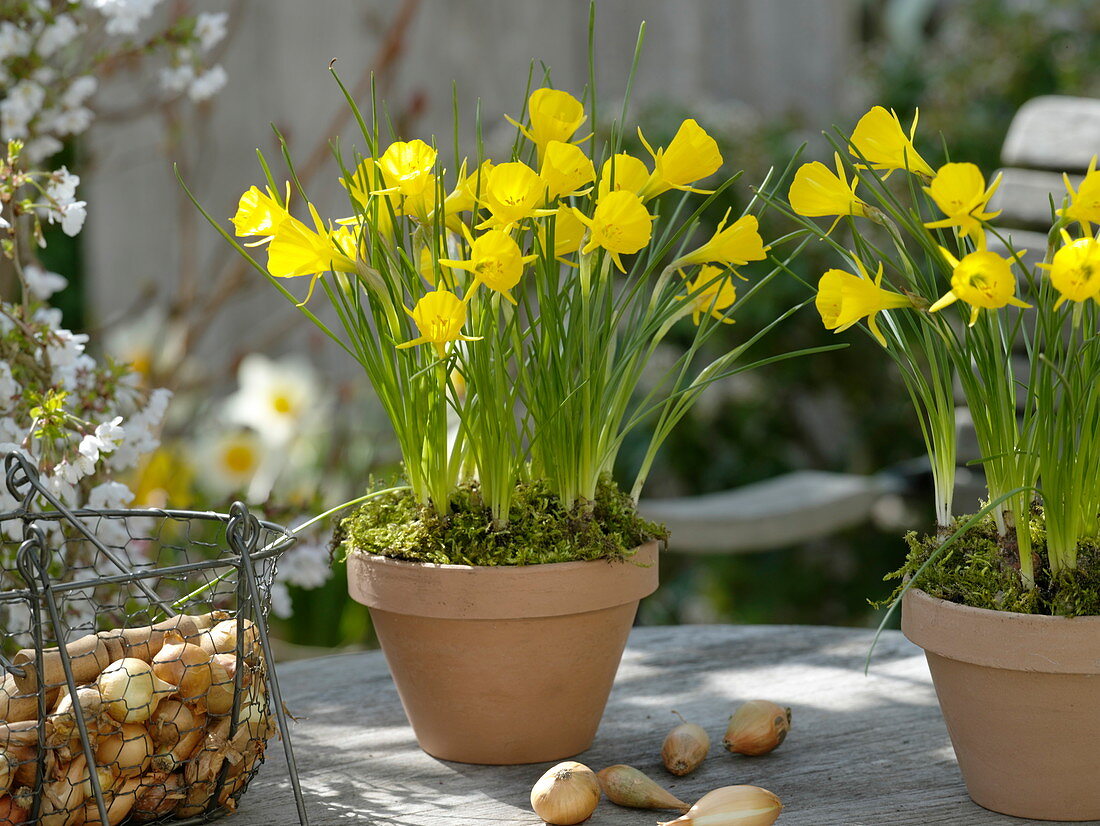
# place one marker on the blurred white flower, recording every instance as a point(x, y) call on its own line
point(124, 16)
point(208, 84)
point(43, 283)
point(142, 431)
point(10, 389)
point(210, 29)
point(110, 496)
point(22, 102)
point(174, 79)
point(57, 35)
point(306, 564)
point(229, 459)
point(71, 121)
point(79, 91)
point(42, 147)
point(276, 398)
point(14, 41)
point(281, 605)
point(110, 434)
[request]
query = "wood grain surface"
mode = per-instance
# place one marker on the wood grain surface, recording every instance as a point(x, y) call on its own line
point(862, 750)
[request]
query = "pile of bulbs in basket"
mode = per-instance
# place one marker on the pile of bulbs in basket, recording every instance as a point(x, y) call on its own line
point(569, 792)
point(157, 704)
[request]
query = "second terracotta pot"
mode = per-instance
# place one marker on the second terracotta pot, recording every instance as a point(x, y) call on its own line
point(1021, 698)
point(503, 665)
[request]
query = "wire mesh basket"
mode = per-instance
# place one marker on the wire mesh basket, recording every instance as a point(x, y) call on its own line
point(137, 678)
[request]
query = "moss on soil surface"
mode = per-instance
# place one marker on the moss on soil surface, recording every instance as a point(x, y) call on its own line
point(539, 529)
point(981, 570)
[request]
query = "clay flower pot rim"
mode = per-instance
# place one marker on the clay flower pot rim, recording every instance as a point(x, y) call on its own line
point(501, 591)
point(1002, 639)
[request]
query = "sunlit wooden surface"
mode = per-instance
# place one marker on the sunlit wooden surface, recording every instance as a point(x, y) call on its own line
point(862, 750)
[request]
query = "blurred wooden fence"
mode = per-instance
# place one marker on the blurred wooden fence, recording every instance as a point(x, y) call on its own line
point(142, 242)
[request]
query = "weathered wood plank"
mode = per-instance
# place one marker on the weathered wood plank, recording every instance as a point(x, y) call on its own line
point(862, 750)
point(1056, 132)
point(775, 513)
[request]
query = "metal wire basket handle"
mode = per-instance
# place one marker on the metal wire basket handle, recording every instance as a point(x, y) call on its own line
point(33, 557)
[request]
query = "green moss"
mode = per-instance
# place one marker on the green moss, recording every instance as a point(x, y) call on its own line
point(982, 570)
point(539, 529)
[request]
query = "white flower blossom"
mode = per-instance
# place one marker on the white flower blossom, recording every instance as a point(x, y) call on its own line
point(208, 84)
point(281, 605)
point(210, 29)
point(62, 185)
point(142, 431)
point(4, 223)
point(71, 121)
point(174, 79)
point(89, 448)
point(14, 41)
point(276, 398)
point(44, 75)
point(42, 283)
point(305, 565)
point(110, 496)
point(57, 35)
point(65, 347)
point(110, 434)
point(72, 218)
point(79, 91)
point(10, 389)
point(19, 106)
point(40, 148)
point(124, 16)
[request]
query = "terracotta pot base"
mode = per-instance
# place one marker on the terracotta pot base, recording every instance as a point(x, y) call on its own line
point(1020, 695)
point(503, 665)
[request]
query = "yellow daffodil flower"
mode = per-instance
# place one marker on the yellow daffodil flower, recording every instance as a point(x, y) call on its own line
point(983, 279)
point(710, 293)
point(844, 298)
point(620, 224)
point(690, 156)
point(818, 192)
point(366, 189)
point(260, 213)
point(495, 261)
point(565, 170)
point(463, 198)
point(734, 245)
point(513, 191)
point(1075, 270)
point(555, 116)
point(425, 265)
point(439, 317)
point(879, 138)
point(296, 250)
point(629, 173)
point(406, 166)
point(422, 205)
point(1084, 204)
point(568, 233)
point(959, 190)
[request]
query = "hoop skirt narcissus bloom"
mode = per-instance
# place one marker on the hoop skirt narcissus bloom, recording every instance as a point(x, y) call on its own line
point(555, 116)
point(817, 192)
point(735, 245)
point(1084, 204)
point(959, 191)
point(512, 192)
point(439, 317)
point(983, 280)
point(565, 170)
point(844, 298)
point(690, 156)
point(259, 214)
point(620, 224)
point(879, 139)
point(1075, 270)
point(495, 261)
point(710, 292)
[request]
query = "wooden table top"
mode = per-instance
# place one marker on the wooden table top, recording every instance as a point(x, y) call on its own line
point(862, 750)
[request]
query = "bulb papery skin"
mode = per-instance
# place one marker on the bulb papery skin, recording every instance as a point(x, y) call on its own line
point(627, 786)
point(566, 794)
point(732, 806)
point(685, 748)
point(757, 727)
point(130, 690)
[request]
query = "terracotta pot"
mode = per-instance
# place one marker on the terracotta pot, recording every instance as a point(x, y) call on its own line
point(503, 665)
point(1021, 698)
